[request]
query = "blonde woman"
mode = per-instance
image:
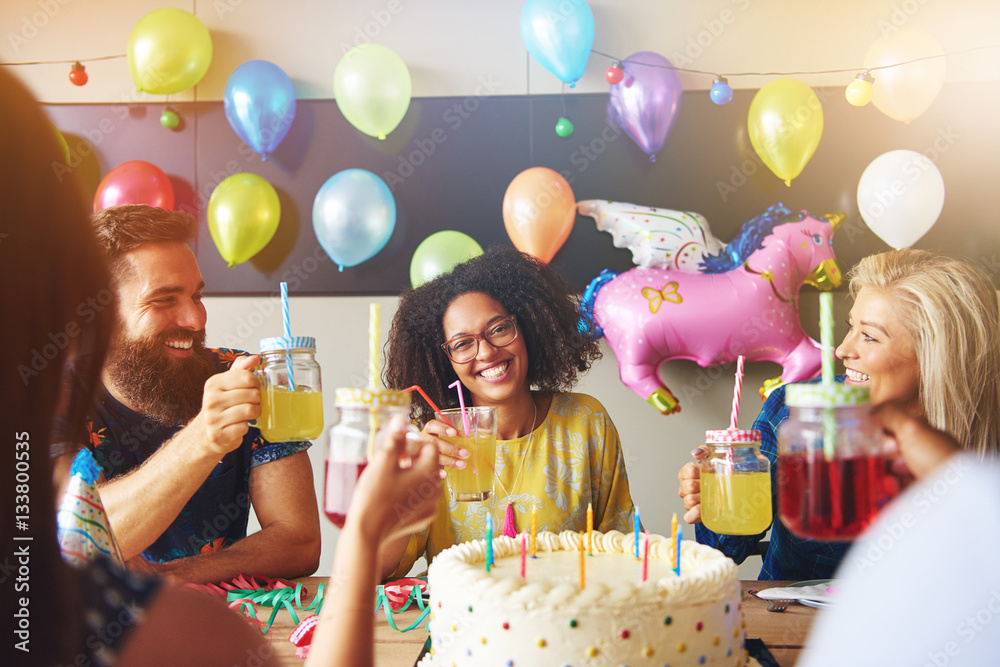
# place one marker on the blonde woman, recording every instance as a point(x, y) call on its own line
point(924, 333)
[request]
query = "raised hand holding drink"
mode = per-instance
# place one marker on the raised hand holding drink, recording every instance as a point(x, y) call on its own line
point(477, 433)
point(291, 391)
point(735, 483)
point(362, 413)
point(834, 471)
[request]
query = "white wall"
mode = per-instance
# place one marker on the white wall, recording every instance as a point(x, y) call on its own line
point(449, 46)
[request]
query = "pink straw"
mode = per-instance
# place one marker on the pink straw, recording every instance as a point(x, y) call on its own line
point(734, 417)
point(461, 404)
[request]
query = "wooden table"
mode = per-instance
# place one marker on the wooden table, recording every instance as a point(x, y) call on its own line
point(784, 634)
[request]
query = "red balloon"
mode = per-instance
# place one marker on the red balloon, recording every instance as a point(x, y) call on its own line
point(135, 182)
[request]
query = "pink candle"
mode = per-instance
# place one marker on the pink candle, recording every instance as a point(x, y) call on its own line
point(645, 558)
point(524, 551)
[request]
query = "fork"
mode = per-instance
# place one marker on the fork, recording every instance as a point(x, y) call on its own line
point(772, 605)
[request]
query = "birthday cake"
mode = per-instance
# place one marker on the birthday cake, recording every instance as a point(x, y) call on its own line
point(545, 617)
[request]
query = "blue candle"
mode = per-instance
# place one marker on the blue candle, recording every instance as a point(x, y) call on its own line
point(677, 570)
point(637, 533)
point(489, 541)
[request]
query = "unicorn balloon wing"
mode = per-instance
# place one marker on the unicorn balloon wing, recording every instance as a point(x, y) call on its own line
point(659, 238)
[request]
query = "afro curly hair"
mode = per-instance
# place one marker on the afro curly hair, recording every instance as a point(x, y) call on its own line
point(547, 309)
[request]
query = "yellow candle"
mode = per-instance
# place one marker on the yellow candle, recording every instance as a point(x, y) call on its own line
point(673, 531)
point(374, 325)
point(534, 530)
point(583, 554)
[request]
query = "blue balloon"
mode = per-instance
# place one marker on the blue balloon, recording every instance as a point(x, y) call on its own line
point(260, 105)
point(559, 34)
point(354, 214)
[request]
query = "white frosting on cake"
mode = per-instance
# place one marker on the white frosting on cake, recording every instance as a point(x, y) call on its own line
point(546, 618)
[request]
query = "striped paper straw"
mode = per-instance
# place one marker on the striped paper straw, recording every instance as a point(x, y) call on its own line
point(286, 323)
point(735, 415)
point(826, 342)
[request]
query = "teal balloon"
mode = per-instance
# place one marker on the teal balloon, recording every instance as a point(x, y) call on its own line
point(559, 34)
point(439, 253)
point(354, 214)
point(259, 102)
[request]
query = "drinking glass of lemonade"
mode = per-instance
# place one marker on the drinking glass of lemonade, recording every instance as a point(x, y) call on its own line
point(477, 433)
point(291, 392)
point(735, 483)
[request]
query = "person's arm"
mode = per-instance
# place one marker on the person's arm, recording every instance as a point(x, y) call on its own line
point(383, 509)
point(142, 504)
point(288, 543)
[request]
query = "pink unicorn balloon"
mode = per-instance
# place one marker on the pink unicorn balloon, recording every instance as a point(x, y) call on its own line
point(744, 300)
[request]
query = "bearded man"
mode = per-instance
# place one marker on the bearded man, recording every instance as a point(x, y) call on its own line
point(171, 428)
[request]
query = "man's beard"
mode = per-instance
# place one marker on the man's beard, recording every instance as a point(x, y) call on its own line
point(167, 389)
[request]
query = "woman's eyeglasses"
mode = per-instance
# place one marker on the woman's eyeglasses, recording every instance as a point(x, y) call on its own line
point(463, 349)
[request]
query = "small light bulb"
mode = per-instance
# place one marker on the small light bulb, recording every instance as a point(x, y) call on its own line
point(721, 92)
point(614, 74)
point(859, 92)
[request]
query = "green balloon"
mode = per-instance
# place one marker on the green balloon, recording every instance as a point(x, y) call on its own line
point(439, 253)
point(169, 119)
point(564, 127)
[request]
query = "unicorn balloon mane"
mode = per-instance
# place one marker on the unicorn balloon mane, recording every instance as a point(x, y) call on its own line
point(694, 297)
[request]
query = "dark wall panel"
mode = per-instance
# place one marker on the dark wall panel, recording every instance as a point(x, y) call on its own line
point(451, 159)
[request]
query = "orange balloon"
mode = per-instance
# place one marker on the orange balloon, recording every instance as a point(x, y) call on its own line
point(539, 209)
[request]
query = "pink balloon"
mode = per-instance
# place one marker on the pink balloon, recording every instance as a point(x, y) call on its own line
point(646, 103)
point(135, 182)
point(744, 301)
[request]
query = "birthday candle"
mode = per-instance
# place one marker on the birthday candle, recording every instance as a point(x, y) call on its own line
point(524, 551)
point(673, 531)
point(590, 529)
point(583, 554)
point(637, 533)
point(534, 531)
point(677, 569)
point(489, 541)
point(645, 557)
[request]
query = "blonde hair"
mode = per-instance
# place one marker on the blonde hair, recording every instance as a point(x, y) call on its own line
point(950, 310)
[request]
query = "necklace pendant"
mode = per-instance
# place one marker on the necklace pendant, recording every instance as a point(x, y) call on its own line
point(509, 523)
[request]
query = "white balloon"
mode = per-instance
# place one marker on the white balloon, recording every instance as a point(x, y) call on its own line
point(906, 91)
point(900, 196)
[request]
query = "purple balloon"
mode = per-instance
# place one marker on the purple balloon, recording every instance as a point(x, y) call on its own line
point(647, 101)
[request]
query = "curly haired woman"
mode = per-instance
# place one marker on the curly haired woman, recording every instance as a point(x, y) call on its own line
point(507, 327)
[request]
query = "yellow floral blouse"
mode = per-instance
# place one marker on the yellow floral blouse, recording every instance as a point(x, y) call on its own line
point(572, 458)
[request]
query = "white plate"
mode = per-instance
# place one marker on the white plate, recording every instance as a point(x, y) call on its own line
point(815, 604)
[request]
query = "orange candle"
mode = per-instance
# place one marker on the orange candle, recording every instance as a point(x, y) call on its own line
point(583, 554)
point(590, 530)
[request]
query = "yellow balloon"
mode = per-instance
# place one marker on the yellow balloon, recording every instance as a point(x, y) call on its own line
point(243, 215)
point(785, 125)
point(906, 91)
point(372, 87)
point(169, 50)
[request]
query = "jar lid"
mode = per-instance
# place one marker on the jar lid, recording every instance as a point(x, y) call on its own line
point(727, 435)
point(287, 343)
point(353, 397)
point(820, 395)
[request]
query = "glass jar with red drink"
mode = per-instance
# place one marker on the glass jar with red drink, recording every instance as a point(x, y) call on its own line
point(362, 413)
point(833, 468)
